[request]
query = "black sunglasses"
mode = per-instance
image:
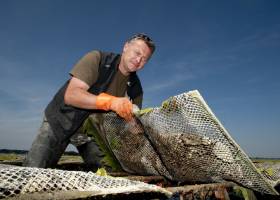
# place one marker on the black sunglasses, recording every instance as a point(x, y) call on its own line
point(143, 37)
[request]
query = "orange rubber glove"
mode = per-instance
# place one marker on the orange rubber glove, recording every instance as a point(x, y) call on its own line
point(121, 105)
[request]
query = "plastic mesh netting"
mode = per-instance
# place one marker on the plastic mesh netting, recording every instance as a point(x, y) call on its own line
point(16, 181)
point(270, 170)
point(183, 141)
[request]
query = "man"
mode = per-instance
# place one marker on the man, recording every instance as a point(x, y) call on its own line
point(100, 81)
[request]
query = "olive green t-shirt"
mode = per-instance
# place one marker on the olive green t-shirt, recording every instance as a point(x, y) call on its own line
point(87, 70)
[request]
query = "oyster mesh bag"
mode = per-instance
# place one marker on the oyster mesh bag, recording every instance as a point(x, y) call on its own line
point(15, 181)
point(183, 141)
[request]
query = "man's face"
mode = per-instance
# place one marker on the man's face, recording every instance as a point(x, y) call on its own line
point(135, 55)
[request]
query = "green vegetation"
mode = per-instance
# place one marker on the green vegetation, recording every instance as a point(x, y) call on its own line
point(143, 111)
point(244, 193)
point(101, 172)
point(268, 171)
point(114, 143)
point(10, 157)
point(71, 158)
point(109, 158)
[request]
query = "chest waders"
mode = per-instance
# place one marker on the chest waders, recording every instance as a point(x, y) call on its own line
point(61, 121)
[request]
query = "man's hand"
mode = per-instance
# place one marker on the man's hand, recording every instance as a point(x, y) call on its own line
point(121, 105)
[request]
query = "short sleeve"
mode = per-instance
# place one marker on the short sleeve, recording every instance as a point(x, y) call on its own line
point(86, 69)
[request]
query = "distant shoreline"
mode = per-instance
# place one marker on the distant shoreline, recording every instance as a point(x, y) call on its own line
point(16, 151)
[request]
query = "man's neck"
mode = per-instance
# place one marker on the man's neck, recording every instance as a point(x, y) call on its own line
point(122, 70)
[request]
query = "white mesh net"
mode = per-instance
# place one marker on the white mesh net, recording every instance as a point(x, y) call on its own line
point(183, 141)
point(15, 181)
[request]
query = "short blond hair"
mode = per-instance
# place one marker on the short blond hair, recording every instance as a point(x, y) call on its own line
point(146, 39)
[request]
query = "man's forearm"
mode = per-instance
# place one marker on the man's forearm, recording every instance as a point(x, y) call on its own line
point(80, 98)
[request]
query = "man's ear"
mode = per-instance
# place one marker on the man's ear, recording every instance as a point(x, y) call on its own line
point(125, 47)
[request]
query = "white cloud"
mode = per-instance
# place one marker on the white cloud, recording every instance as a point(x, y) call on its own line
point(168, 83)
point(260, 39)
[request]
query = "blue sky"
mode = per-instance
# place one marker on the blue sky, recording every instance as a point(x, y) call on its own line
point(228, 50)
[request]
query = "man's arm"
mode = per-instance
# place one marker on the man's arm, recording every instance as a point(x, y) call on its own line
point(77, 95)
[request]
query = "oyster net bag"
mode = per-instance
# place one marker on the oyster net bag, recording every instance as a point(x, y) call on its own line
point(15, 181)
point(181, 140)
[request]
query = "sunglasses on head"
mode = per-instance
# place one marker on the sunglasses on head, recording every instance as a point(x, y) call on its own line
point(146, 39)
point(143, 37)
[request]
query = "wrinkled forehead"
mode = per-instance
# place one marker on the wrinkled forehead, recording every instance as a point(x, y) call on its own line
point(140, 45)
point(138, 42)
